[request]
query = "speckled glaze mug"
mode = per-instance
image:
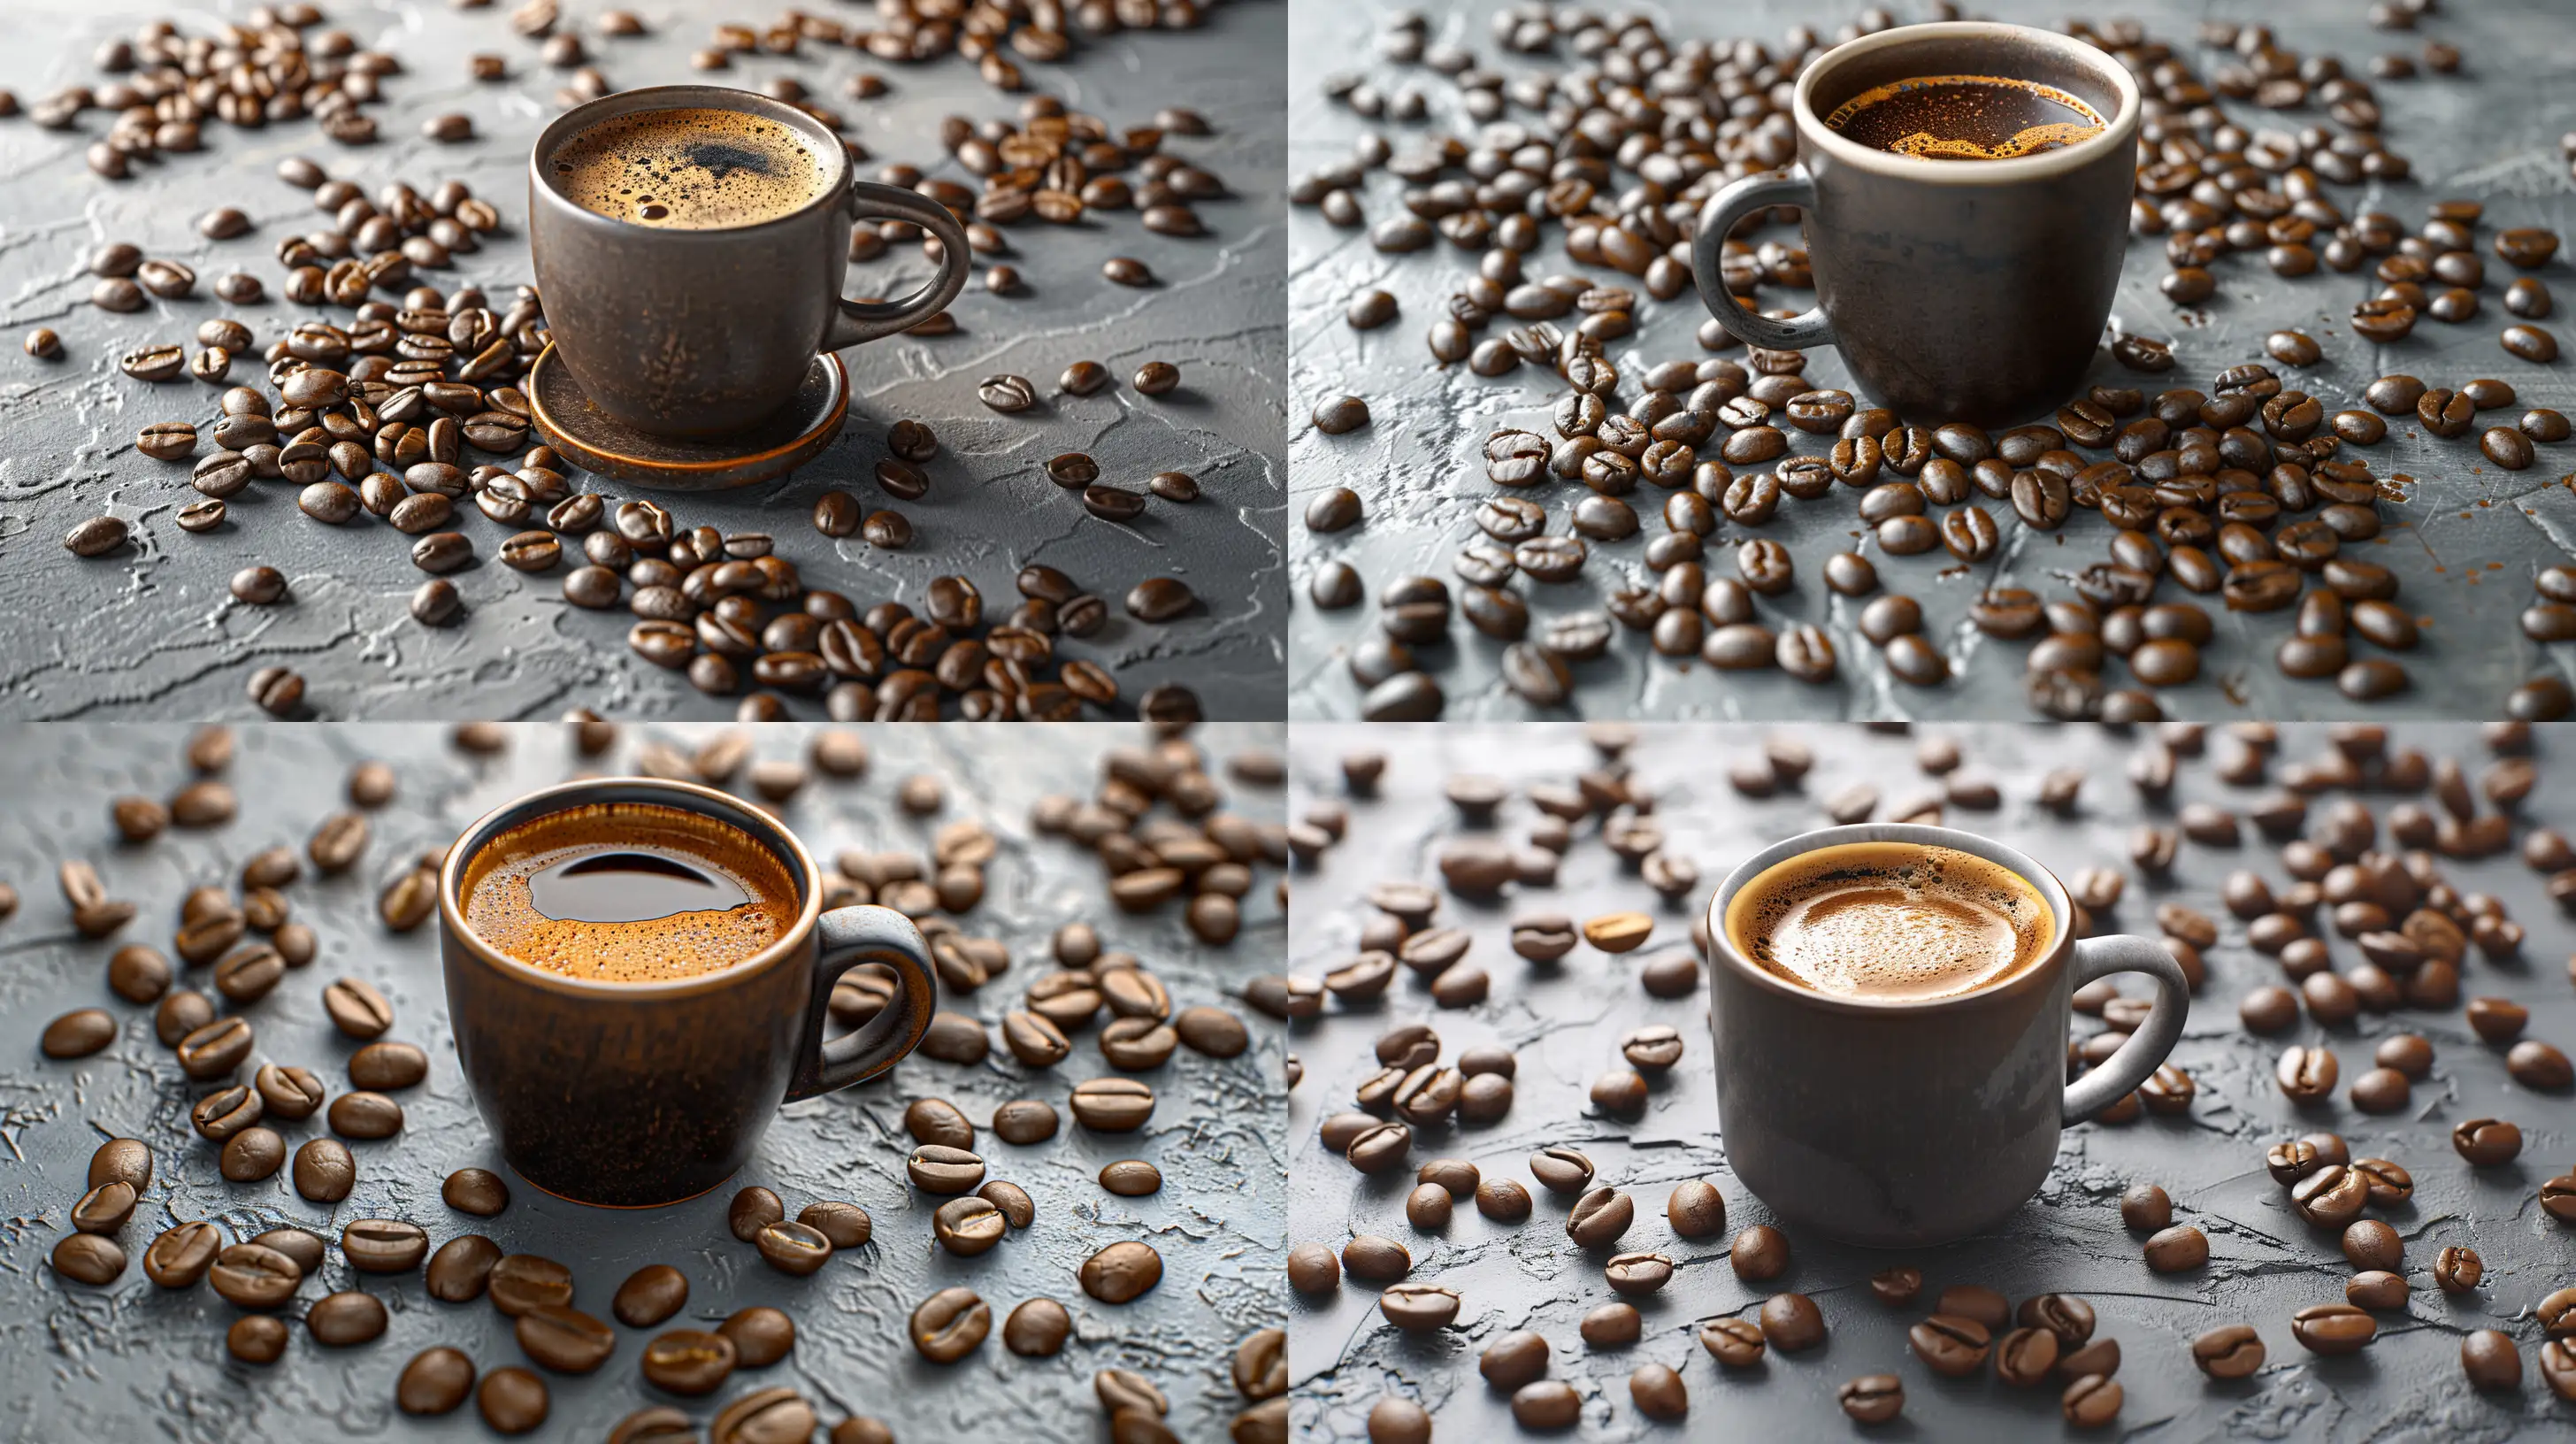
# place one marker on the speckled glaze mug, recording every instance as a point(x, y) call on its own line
point(1955, 290)
point(632, 1095)
point(1905, 1124)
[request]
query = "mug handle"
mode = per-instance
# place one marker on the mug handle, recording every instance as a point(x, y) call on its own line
point(843, 939)
point(2146, 1049)
point(867, 320)
point(1791, 187)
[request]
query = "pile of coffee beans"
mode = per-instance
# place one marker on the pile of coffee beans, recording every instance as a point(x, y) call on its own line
point(250, 940)
point(380, 419)
point(2236, 493)
point(2374, 910)
point(165, 86)
point(908, 32)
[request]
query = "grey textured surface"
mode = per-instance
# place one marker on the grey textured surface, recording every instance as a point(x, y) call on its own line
point(1565, 1023)
point(2464, 542)
point(151, 633)
point(133, 1361)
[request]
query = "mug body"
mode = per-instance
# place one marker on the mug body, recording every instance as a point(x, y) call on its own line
point(627, 1095)
point(689, 333)
point(1968, 290)
point(1891, 1125)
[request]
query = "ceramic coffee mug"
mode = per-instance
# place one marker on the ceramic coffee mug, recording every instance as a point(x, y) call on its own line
point(1899, 1124)
point(695, 333)
point(1955, 290)
point(636, 1094)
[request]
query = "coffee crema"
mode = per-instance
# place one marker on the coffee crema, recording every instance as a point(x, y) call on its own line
point(1890, 921)
point(1965, 117)
point(628, 892)
point(695, 168)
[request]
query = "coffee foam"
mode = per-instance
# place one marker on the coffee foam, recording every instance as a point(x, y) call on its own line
point(699, 168)
point(501, 910)
point(1966, 131)
point(1896, 922)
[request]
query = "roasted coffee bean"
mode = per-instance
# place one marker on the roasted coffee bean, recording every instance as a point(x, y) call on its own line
point(383, 1246)
point(436, 1381)
point(1112, 1105)
point(2026, 1357)
point(80, 1033)
point(753, 1209)
point(476, 1191)
point(1159, 599)
point(344, 1319)
point(2333, 1328)
point(1872, 1398)
point(1011, 394)
point(256, 1339)
point(1950, 1345)
point(2093, 1401)
point(252, 1276)
point(1121, 1272)
point(793, 1248)
point(1735, 1343)
point(1760, 1252)
point(462, 1267)
point(96, 537)
point(2458, 1270)
point(949, 1325)
point(365, 1116)
point(2486, 1142)
point(1417, 1307)
point(1791, 1322)
point(1975, 1301)
point(205, 1053)
point(1340, 414)
point(180, 1256)
point(511, 1400)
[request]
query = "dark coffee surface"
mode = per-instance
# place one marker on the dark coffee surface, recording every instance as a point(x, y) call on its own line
point(132, 1361)
point(1565, 1024)
point(628, 893)
point(698, 168)
point(1965, 117)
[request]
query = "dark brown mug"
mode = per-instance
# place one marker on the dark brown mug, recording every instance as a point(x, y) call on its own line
point(1955, 290)
point(631, 1095)
point(1902, 1124)
point(694, 333)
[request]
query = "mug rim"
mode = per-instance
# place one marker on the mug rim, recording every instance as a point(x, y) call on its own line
point(689, 796)
point(677, 97)
point(2118, 129)
point(2041, 974)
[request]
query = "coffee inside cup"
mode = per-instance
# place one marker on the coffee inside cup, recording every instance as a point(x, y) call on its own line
point(1965, 117)
point(1890, 921)
point(628, 892)
point(691, 168)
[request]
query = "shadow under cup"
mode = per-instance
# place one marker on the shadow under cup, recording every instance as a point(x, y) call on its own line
point(629, 1094)
point(1900, 1124)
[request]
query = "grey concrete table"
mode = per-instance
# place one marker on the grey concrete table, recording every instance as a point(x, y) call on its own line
point(153, 633)
point(132, 1361)
point(1565, 1022)
point(2464, 541)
